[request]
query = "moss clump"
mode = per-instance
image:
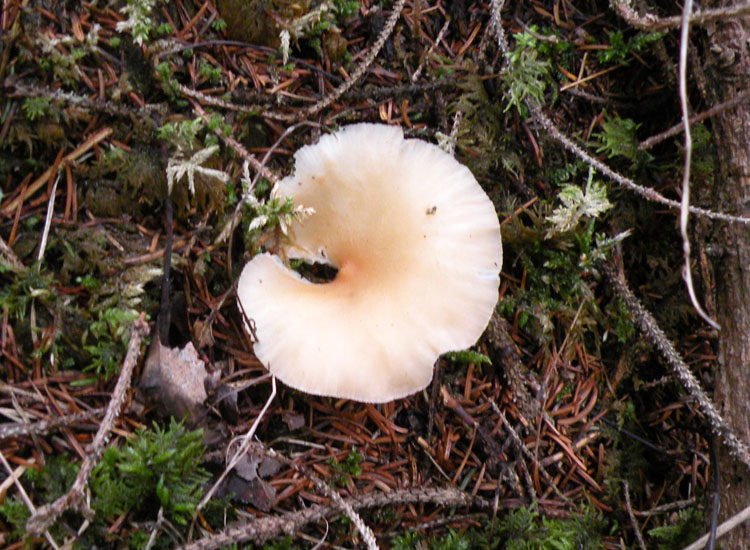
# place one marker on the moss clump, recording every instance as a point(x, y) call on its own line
point(160, 468)
point(520, 529)
point(682, 531)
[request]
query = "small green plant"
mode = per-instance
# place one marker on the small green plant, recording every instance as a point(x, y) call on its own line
point(164, 29)
point(522, 529)
point(170, 86)
point(407, 541)
point(621, 321)
point(46, 484)
point(276, 212)
point(209, 72)
point(579, 204)
point(61, 56)
point(35, 107)
point(525, 77)
point(287, 543)
point(183, 134)
point(16, 514)
point(319, 28)
point(618, 138)
point(160, 468)
point(468, 356)
point(138, 20)
point(546, 41)
point(680, 533)
point(345, 9)
point(556, 289)
point(111, 333)
point(25, 286)
point(219, 24)
point(266, 214)
point(178, 168)
point(350, 466)
point(619, 49)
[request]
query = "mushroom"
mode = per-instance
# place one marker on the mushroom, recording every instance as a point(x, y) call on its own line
point(416, 242)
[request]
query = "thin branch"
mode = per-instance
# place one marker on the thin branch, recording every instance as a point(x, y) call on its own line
point(713, 111)
point(362, 68)
point(356, 519)
point(634, 523)
point(496, 24)
point(17, 429)
point(238, 147)
point(48, 219)
point(648, 325)
point(434, 45)
point(330, 492)
point(653, 22)
point(730, 524)
point(645, 192)
point(666, 508)
point(525, 450)
point(245, 442)
point(544, 121)
point(687, 273)
point(263, 529)
point(47, 514)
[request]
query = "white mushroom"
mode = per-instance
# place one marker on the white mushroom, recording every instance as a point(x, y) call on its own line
point(416, 242)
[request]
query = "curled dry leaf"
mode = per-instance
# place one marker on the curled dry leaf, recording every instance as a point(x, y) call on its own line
point(293, 421)
point(173, 379)
point(245, 482)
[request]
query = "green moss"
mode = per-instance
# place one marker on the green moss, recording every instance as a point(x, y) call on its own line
point(160, 468)
point(680, 533)
point(19, 289)
point(350, 466)
point(621, 48)
point(35, 107)
point(520, 529)
point(46, 485)
point(482, 128)
point(16, 514)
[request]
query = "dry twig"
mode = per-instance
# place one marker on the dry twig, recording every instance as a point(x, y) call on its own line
point(645, 192)
point(25, 498)
point(47, 514)
point(18, 429)
point(732, 523)
point(633, 522)
point(362, 68)
point(653, 22)
point(263, 529)
point(648, 325)
point(740, 98)
point(687, 273)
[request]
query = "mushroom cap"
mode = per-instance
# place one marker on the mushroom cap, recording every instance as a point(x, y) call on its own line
point(416, 242)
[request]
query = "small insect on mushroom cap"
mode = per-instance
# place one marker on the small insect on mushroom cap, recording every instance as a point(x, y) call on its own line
point(416, 242)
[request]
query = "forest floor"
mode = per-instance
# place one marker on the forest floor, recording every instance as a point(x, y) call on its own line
point(562, 428)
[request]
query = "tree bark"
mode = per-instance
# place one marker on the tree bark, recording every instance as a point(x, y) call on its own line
point(727, 66)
